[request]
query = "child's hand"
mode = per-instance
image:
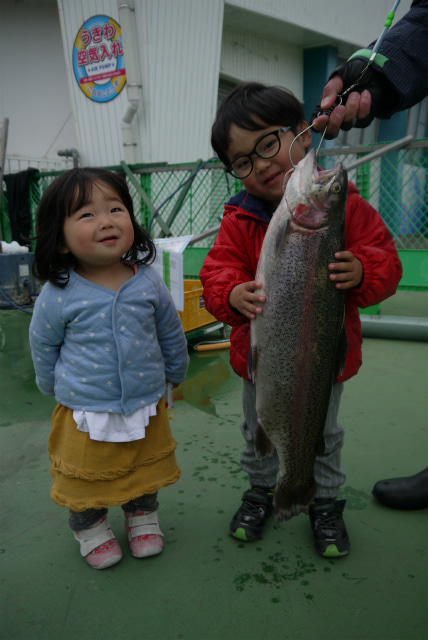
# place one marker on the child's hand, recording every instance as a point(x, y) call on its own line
point(244, 300)
point(349, 270)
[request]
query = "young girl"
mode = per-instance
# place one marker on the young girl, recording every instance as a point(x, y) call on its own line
point(105, 337)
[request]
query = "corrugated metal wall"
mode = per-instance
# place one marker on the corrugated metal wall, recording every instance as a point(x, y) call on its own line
point(178, 49)
point(180, 57)
point(98, 124)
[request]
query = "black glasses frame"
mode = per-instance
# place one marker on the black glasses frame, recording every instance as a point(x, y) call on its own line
point(250, 155)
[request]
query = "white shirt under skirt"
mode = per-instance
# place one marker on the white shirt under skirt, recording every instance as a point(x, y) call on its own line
point(115, 427)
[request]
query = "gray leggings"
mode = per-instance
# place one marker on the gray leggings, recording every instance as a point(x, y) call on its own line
point(79, 520)
point(328, 471)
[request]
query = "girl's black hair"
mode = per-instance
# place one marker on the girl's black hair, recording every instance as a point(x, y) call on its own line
point(65, 195)
point(249, 105)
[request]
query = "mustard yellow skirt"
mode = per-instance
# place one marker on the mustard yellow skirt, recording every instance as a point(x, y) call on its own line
point(91, 474)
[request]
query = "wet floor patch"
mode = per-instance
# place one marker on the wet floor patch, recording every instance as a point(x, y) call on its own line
point(276, 570)
point(356, 499)
point(202, 384)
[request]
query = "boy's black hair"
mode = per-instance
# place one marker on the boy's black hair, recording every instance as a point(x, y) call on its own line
point(65, 195)
point(249, 105)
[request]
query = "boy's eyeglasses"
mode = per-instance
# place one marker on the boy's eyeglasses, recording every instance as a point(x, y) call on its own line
point(267, 147)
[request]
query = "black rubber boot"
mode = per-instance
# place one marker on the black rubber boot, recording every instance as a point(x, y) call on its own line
point(403, 493)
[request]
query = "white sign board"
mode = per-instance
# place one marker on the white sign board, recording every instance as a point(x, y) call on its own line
point(169, 265)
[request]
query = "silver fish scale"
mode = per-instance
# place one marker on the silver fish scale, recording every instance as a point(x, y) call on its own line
point(297, 338)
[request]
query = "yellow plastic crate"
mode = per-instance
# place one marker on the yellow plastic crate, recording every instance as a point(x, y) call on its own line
point(194, 315)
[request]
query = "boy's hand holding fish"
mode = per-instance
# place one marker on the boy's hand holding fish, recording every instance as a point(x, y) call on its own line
point(243, 299)
point(348, 273)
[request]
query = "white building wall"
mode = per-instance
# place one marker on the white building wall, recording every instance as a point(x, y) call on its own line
point(245, 57)
point(34, 93)
point(356, 22)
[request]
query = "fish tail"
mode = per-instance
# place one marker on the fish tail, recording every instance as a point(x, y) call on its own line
point(289, 501)
point(262, 443)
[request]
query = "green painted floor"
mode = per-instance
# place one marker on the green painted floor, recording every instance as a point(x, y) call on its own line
point(207, 585)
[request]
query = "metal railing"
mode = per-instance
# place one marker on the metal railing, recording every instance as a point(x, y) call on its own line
point(188, 199)
point(17, 163)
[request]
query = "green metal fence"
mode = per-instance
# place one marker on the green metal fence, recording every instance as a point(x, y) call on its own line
point(396, 185)
point(188, 199)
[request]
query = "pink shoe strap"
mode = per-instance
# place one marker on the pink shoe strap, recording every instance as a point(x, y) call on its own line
point(93, 537)
point(144, 525)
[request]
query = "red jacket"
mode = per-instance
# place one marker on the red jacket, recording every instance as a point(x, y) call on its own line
point(233, 260)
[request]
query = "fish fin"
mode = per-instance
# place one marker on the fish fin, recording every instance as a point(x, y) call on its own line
point(280, 236)
point(289, 501)
point(262, 443)
point(252, 363)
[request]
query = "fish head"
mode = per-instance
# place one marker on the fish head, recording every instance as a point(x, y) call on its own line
point(315, 198)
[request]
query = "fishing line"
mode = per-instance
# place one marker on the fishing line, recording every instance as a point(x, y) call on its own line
point(388, 22)
point(307, 129)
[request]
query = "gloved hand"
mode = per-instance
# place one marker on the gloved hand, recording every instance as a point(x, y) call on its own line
point(382, 92)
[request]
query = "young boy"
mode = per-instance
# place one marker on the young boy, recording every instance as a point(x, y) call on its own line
point(252, 134)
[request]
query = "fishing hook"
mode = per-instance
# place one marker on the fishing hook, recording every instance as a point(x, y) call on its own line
point(321, 113)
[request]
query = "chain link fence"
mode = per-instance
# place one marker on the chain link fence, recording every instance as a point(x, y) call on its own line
point(182, 200)
point(396, 185)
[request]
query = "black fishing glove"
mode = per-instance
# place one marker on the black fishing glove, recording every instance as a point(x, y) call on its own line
point(384, 95)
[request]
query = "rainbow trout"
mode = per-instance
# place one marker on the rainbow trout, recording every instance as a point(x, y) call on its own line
point(298, 343)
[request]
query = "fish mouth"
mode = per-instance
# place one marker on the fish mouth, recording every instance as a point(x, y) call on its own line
point(326, 176)
point(312, 174)
point(314, 187)
point(323, 180)
point(310, 191)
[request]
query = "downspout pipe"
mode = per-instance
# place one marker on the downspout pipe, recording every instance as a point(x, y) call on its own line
point(70, 153)
point(133, 81)
point(395, 327)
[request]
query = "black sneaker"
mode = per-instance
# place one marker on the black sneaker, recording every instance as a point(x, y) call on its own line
point(330, 535)
point(256, 507)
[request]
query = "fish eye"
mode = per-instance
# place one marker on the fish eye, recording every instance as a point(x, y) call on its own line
point(336, 188)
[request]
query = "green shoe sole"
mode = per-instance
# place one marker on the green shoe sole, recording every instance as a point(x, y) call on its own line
point(333, 552)
point(240, 534)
